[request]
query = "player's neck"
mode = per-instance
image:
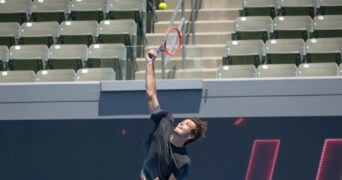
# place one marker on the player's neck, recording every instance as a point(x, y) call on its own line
point(176, 141)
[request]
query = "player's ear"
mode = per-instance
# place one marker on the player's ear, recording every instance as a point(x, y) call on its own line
point(191, 136)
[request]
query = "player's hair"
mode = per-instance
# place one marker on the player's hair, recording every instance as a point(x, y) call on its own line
point(199, 131)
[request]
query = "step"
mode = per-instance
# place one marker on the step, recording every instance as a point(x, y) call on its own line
point(191, 63)
point(201, 38)
point(200, 50)
point(200, 26)
point(206, 4)
point(203, 14)
point(206, 73)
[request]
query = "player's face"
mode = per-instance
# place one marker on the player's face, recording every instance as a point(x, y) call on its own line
point(185, 127)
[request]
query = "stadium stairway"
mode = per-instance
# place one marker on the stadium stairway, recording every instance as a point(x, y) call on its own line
point(213, 30)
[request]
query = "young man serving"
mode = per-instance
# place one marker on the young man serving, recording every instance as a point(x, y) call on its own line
point(166, 157)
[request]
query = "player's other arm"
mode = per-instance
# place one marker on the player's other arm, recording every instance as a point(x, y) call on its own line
point(150, 84)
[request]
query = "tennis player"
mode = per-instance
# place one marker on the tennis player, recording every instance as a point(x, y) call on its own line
point(166, 157)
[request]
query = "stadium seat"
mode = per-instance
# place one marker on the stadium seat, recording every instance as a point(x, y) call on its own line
point(298, 8)
point(318, 69)
point(122, 32)
point(324, 50)
point(88, 10)
point(17, 76)
point(39, 33)
point(27, 57)
point(3, 57)
point(244, 52)
point(9, 33)
point(260, 8)
point(67, 56)
point(253, 27)
point(327, 26)
point(236, 71)
point(130, 9)
point(95, 74)
point(50, 10)
point(330, 7)
point(15, 10)
point(55, 75)
point(78, 32)
point(277, 70)
point(285, 51)
point(109, 55)
point(291, 27)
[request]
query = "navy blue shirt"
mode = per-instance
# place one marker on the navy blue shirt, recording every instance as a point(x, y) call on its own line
point(161, 157)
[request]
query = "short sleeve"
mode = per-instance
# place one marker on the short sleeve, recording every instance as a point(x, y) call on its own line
point(159, 114)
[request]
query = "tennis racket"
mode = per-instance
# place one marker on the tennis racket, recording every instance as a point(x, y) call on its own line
point(171, 43)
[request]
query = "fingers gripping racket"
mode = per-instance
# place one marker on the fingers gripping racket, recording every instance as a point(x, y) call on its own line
point(171, 43)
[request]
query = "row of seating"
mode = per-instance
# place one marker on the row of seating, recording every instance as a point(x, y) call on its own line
point(69, 32)
point(264, 27)
point(61, 10)
point(274, 8)
point(279, 70)
point(283, 51)
point(58, 75)
point(66, 56)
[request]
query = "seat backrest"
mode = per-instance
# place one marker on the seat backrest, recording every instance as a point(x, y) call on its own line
point(29, 52)
point(236, 71)
point(259, 8)
point(328, 22)
point(9, 33)
point(277, 70)
point(10, 29)
point(245, 47)
point(51, 6)
point(68, 51)
point(293, 27)
point(103, 51)
point(4, 54)
point(118, 27)
point(50, 10)
point(89, 10)
point(40, 29)
point(285, 51)
point(327, 7)
point(293, 23)
point(124, 5)
point(253, 23)
point(318, 69)
point(324, 45)
point(17, 76)
point(79, 28)
point(95, 74)
point(55, 75)
point(89, 5)
point(15, 11)
point(285, 46)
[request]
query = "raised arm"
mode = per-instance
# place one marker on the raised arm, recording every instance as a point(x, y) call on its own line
point(150, 84)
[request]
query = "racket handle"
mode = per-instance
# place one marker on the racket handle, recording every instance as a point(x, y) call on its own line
point(151, 55)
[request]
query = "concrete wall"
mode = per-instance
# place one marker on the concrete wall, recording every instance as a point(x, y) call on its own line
point(205, 98)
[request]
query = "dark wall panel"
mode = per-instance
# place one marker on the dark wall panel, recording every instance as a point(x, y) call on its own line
point(112, 149)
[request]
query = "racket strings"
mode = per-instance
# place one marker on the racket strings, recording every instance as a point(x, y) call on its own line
point(172, 42)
